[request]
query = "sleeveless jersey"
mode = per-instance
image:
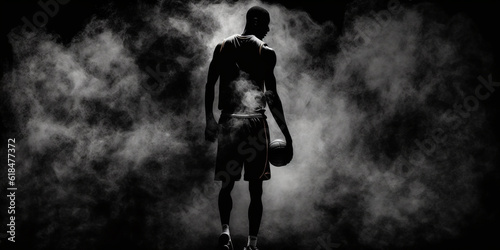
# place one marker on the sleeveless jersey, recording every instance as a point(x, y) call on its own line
point(241, 86)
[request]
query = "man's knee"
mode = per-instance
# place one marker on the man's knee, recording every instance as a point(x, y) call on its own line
point(255, 188)
point(226, 189)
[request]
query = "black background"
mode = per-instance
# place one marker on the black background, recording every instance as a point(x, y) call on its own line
point(77, 14)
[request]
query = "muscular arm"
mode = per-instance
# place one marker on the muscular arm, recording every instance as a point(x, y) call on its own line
point(272, 97)
point(213, 75)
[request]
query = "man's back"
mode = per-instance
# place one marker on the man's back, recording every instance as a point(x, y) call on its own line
point(242, 75)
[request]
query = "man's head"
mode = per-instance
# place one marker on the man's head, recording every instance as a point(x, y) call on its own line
point(257, 22)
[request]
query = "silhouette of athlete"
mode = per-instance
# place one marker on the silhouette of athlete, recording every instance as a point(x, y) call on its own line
point(245, 66)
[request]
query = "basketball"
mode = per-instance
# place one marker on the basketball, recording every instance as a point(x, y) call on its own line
point(278, 155)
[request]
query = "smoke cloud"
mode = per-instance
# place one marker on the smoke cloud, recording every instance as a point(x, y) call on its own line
point(112, 129)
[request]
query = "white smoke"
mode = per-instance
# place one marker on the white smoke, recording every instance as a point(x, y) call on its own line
point(113, 128)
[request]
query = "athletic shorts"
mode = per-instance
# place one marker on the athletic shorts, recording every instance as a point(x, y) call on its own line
point(243, 142)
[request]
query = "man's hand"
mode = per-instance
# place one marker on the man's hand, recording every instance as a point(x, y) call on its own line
point(211, 130)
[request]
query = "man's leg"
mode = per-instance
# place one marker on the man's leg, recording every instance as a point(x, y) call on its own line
point(225, 207)
point(225, 202)
point(254, 210)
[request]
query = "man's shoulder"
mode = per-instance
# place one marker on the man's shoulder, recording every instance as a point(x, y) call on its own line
point(268, 51)
point(264, 48)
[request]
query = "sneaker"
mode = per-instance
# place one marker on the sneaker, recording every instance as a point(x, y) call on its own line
point(250, 248)
point(225, 242)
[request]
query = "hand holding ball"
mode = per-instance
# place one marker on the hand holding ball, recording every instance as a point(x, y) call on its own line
point(279, 154)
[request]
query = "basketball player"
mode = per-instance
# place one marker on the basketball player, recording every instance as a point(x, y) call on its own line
point(245, 66)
